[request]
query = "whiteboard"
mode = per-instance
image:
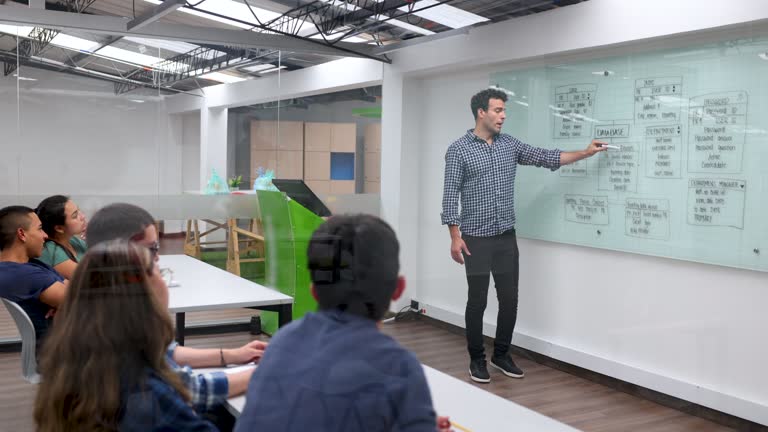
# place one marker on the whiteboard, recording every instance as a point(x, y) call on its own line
point(690, 180)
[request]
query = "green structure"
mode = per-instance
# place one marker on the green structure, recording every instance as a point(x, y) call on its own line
point(288, 227)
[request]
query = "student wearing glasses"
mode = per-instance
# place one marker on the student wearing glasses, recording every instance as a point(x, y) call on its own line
point(64, 224)
point(104, 366)
point(207, 390)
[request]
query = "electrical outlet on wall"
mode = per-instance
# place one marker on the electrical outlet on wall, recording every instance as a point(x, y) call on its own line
point(414, 305)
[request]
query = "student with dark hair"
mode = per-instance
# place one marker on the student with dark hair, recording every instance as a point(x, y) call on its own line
point(208, 390)
point(480, 172)
point(104, 365)
point(64, 224)
point(34, 286)
point(120, 221)
point(334, 370)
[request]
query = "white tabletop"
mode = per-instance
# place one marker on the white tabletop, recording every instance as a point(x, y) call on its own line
point(469, 407)
point(202, 286)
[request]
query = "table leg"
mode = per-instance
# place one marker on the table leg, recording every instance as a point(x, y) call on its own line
point(180, 318)
point(284, 314)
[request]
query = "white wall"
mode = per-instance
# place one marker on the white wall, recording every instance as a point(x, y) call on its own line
point(76, 137)
point(690, 330)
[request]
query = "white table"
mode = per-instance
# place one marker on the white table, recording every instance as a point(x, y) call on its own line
point(203, 287)
point(469, 407)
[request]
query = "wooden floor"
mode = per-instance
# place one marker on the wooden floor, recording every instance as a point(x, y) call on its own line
point(575, 401)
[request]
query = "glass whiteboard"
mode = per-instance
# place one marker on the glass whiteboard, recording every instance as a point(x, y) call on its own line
point(690, 177)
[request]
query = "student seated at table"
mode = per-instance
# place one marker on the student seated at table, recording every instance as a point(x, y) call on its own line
point(34, 286)
point(334, 370)
point(64, 224)
point(104, 365)
point(208, 390)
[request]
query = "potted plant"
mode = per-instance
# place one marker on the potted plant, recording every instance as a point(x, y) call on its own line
point(234, 182)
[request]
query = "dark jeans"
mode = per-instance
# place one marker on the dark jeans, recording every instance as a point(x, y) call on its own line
point(497, 255)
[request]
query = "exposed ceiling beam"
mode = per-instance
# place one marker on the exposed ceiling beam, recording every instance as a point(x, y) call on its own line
point(155, 14)
point(39, 63)
point(38, 40)
point(194, 34)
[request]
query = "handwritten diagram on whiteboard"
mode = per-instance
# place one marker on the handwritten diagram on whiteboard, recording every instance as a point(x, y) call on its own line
point(687, 176)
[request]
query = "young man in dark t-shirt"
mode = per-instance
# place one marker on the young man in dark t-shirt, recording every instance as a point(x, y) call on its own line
point(34, 286)
point(335, 370)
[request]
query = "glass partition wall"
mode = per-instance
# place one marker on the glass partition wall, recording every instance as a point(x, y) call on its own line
point(106, 119)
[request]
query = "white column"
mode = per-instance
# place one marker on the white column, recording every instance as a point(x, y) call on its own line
point(213, 143)
point(400, 157)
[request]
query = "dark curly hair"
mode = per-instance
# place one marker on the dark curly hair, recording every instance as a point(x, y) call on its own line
point(480, 100)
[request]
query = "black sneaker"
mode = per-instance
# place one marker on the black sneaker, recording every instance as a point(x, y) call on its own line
point(478, 371)
point(508, 366)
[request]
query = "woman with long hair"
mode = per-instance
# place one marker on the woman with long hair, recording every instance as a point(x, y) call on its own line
point(104, 364)
point(64, 224)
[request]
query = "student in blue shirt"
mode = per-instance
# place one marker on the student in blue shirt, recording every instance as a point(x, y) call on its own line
point(334, 370)
point(34, 286)
point(64, 224)
point(104, 365)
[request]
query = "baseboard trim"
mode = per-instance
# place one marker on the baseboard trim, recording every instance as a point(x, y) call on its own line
point(546, 353)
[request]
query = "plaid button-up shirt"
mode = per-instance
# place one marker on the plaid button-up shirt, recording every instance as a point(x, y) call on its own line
point(482, 176)
point(207, 389)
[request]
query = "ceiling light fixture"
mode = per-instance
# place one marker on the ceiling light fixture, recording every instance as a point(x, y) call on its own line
point(74, 43)
point(232, 9)
point(222, 77)
point(15, 30)
point(175, 46)
point(259, 67)
point(272, 70)
point(444, 14)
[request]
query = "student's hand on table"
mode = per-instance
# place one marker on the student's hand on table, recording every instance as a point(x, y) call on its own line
point(458, 246)
point(250, 352)
point(443, 424)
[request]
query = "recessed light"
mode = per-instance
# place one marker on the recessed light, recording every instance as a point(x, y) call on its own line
point(604, 72)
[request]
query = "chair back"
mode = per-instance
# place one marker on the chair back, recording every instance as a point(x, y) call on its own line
point(28, 341)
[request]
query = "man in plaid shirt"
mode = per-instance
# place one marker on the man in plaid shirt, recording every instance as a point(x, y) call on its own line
point(480, 172)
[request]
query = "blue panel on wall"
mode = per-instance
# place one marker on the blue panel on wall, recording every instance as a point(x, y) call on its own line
point(342, 166)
